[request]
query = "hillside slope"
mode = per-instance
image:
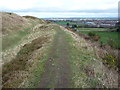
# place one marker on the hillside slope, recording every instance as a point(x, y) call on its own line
point(22, 39)
point(46, 55)
point(16, 31)
point(12, 22)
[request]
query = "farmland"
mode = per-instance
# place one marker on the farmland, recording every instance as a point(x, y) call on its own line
point(104, 36)
point(93, 29)
point(108, 35)
point(64, 23)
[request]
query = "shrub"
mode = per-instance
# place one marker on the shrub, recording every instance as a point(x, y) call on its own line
point(96, 38)
point(68, 24)
point(91, 34)
point(110, 60)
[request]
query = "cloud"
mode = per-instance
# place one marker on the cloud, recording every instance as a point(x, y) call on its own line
point(66, 14)
point(55, 7)
point(112, 10)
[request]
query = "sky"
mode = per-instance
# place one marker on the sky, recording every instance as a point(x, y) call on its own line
point(61, 8)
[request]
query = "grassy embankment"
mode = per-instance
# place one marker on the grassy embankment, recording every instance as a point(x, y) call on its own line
point(12, 39)
point(83, 63)
point(28, 63)
point(21, 67)
point(106, 38)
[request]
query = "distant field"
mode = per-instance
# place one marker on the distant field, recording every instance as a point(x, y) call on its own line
point(93, 29)
point(65, 23)
point(105, 36)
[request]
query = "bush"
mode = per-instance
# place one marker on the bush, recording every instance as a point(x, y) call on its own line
point(110, 60)
point(96, 38)
point(68, 24)
point(91, 34)
point(74, 26)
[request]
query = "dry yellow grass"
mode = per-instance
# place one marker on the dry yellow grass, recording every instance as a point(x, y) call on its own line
point(16, 70)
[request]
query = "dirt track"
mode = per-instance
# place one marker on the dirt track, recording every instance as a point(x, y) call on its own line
point(57, 69)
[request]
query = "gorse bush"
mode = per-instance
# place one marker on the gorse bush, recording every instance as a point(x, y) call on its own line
point(110, 60)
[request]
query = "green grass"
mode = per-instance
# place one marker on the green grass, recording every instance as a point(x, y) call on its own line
point(38, 70)
point(34, 79)
point(65, 23)
point(81, 60)
point(92, 29)
point(14, 38)
point(106, 36)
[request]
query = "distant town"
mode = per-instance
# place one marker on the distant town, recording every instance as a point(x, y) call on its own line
point(85, 22)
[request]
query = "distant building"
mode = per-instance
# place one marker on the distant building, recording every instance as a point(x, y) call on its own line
point(107, 25)
point(90, 23)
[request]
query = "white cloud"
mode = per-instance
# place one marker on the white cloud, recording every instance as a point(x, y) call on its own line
point(16, 4)
point(67, 14)
point(26, 4)
point(35, 6)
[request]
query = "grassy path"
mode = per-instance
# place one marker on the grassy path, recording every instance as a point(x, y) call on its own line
point(59, 59)
point(73, 63)
point(57, 69)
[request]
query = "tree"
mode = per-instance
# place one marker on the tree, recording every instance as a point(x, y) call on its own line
point(68, 24)
point(118, 26)
point(74, 26)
